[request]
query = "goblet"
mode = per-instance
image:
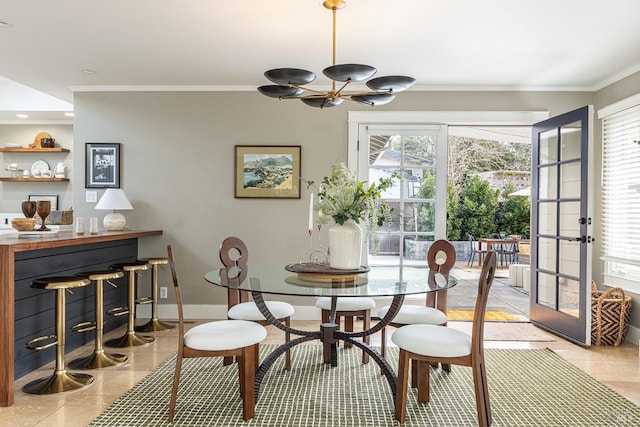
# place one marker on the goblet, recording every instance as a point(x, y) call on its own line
point(43, 207)
point(29, 209)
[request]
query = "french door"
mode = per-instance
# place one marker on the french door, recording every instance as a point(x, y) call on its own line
point(417, 154)
point(561, 212)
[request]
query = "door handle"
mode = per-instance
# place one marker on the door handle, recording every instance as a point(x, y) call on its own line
point(581, 239)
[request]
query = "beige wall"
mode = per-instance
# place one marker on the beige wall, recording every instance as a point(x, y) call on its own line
point(177, 164)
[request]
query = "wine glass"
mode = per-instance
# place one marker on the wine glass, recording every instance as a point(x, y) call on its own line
point(43, 207)
point(29, 209)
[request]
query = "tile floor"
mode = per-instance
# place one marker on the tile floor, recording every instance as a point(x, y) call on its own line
point(618, 367)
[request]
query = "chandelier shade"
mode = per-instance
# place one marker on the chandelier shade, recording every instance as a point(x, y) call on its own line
point(290, 82)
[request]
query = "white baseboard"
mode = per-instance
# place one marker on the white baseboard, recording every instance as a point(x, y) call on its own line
point(202, 312)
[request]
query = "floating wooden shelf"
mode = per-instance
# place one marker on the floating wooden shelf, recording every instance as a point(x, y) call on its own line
point(20, 179)
point(34, 150)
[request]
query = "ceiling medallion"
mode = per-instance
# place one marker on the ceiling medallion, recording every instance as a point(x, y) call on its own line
point(290, 82)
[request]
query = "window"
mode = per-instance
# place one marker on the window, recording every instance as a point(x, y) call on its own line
point(621, 194)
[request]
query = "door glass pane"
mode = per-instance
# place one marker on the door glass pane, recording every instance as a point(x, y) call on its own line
point(420, 217)
point(569, 258)
point(547, 254)
point(419, 183)
point(570, 219)
point(547, 182)
point(416, 247)
point(547, 218)
point(569, 297)
point(570, 180)
point(571, 135)
point(418, 150)
point(547, 290)
point(548, 147)
point(379, 145)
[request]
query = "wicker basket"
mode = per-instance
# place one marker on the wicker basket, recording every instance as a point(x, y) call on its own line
point(610, 313)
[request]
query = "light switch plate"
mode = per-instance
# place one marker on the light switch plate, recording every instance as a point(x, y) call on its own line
point(91, 197)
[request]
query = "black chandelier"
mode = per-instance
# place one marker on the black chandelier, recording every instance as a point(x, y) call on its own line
point(290, 82)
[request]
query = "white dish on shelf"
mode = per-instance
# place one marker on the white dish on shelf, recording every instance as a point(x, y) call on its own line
point(12, 145)
point(38, 167)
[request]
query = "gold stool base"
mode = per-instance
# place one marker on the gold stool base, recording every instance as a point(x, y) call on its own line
point(130, 340)
point(97, 360)
point(59, 382)
point(154, 325)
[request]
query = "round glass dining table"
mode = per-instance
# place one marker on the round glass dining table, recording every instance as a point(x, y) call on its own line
point(374, 281)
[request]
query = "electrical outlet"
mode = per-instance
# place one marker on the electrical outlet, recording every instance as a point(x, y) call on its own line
point(91, 197)
point(163, 292)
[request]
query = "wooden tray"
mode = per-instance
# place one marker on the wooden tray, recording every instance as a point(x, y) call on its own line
point(313, 272)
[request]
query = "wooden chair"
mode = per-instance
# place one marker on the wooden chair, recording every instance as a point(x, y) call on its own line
point(233, 252)
point(429, 343)
point(349, 308)
point(441, 258)
point(237, 338)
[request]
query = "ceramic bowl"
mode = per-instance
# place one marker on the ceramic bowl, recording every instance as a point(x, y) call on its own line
point(23, 224)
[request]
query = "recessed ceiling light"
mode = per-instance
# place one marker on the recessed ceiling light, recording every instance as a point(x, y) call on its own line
point(68, 114)
point(88, 71)
point(22, 116)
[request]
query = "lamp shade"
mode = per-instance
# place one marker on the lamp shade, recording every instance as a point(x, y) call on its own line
point(114, 199)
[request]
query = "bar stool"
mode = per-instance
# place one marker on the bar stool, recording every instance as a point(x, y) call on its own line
point(153, 324)
point(130, 338)
point(61, 380)
point(98, 359)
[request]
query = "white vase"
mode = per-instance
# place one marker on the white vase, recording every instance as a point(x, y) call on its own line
point(345, 246)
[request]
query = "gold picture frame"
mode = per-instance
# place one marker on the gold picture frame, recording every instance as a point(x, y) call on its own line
point(267, 171)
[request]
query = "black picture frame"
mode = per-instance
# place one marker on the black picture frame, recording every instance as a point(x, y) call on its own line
point(102, 165)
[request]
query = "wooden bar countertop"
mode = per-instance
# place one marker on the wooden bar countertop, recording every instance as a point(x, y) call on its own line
point(9, 245)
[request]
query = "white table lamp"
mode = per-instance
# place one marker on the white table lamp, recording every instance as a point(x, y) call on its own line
point(114, 199)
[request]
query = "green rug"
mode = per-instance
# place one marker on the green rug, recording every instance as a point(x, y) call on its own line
point(527, 388)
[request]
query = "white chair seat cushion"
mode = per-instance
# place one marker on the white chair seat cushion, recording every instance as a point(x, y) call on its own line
point(415, 314)
point(249, 311)
point(432, 340)
point(224, 335)
point(347, 303)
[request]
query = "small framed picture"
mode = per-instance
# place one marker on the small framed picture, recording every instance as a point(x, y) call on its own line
point(53, 198)
point(267, 171)
point(102, 165)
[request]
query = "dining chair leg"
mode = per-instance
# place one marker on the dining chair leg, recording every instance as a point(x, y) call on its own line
point(424, 376)
point(366, 324)
point(402, 386)
point(249, 360)
point(415, 373)
point(227, 360)
point(287, 338)
point(482, 393)
point(348, 327)
point(174, 389)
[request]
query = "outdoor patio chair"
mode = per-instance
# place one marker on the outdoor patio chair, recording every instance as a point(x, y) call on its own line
point(473, 250)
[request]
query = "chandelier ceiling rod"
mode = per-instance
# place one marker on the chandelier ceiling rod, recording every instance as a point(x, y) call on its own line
point(290, 82)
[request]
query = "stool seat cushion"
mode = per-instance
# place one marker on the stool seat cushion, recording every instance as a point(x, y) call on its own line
point(224, 335)
point(102, 274)
point(432, 340)
point(131, 266)
point(60, 282)
point(347, 303)
point(155, 261)
point(249, 311)
point(415, 314)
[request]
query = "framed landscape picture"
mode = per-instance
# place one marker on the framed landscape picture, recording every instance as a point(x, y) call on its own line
point(102, 165)
point(267, 171)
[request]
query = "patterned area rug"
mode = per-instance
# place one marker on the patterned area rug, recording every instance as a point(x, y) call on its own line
point(527, 388)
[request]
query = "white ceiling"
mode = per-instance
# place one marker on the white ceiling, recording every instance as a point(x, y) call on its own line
point(215, 45)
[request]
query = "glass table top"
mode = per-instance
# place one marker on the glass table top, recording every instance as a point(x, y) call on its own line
point(379, 281)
